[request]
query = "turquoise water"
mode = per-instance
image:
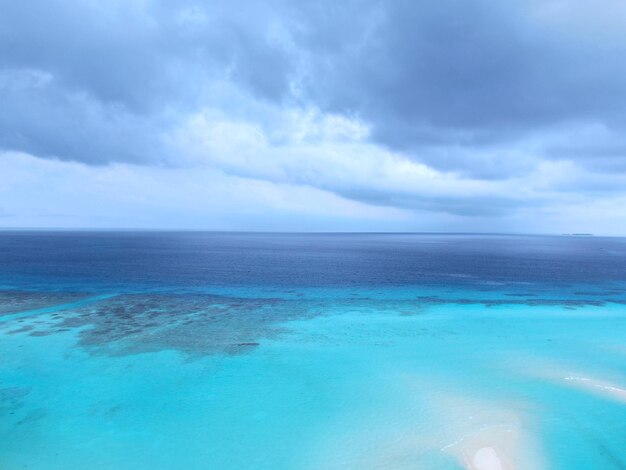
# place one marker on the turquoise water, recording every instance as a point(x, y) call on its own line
point(326, 377)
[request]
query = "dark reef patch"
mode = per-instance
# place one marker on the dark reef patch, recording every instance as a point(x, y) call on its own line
point(194, 324)
point(12, 399)
point(14, 301)
point(21, 329)
point(32, 416)
point(198, 324)
point(41, 333)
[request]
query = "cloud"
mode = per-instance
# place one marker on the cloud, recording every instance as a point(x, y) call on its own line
point(434, 76)
point(46, 119)
point(122, 195)
point(431, 78)
point(70, 194)
point(333, 153)
point(455, 110)
point(102, 81)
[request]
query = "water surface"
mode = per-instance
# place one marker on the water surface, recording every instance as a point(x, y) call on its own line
point(289, 351)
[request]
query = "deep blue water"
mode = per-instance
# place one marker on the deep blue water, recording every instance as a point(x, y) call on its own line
point(236, 350)
point(200, 259)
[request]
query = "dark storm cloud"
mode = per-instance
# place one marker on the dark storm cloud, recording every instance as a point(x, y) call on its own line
point(98, 82)
point(476, 206)
point(456, 84)
point(468, 73)
point(140, 53)
point(45, 119)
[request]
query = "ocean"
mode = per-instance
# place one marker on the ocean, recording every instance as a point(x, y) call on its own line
point(201, 350)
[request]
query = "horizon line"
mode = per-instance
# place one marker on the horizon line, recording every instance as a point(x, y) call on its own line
point(295, 232)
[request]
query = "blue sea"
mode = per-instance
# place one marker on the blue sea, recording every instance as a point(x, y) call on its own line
point(191, 350)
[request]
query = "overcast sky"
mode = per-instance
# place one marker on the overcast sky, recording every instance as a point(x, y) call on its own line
point(438, 115)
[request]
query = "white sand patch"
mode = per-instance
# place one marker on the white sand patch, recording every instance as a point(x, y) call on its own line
point(486, 458)
point(572, 376)
point(432, 426)
point(491, 436)
point(494, 448)
point(598, 386)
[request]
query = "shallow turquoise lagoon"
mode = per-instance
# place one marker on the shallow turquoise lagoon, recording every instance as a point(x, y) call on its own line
point(159, 351)
point(311, 382)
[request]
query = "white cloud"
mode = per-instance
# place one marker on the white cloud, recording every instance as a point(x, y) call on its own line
point(56, 193)
point(283, 116)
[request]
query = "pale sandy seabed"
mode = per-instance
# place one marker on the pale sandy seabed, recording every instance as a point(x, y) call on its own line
point(598, 386)
point(493, 438)
point(378, 403)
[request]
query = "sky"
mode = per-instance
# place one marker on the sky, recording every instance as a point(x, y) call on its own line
point(286, 115)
